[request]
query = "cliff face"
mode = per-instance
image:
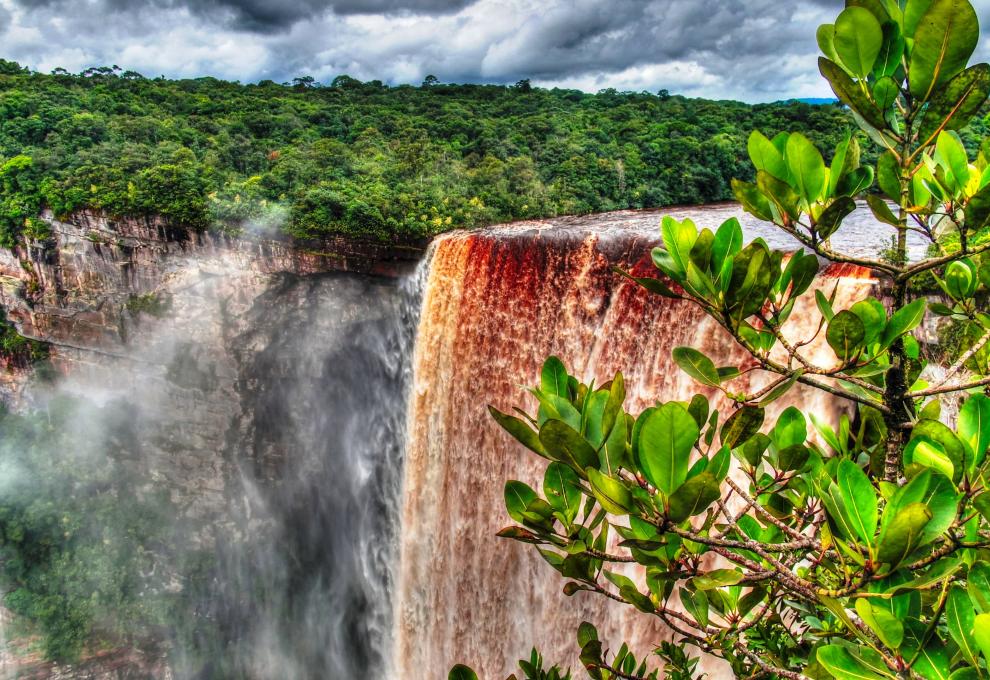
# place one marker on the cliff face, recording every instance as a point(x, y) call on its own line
point(89, 286)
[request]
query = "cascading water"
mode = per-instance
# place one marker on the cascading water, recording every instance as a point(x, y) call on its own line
point(347, 489)
point(306, 592)
point(497, 303)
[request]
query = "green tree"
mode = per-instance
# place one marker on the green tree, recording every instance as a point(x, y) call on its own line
point(861, 554)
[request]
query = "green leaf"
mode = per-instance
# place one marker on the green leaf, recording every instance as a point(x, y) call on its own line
point(860, 500)
point(655, 286)
point(781, 389)
point(858, 38)
point(885, 92)
point(845, 160)
point(844, 665)
point(952, 107)
point(752, 278)
point(586, 633)
point(951, 154)
point(678, 239)
point(856, 181)
point(806, 165)
point(693, 497)
point(882, 622)
point(926, 453)
point(951, 445)
point(850, 94)
point(518, 498)
point(874, 317)
point(903, 534)
point(932, 662)
point(974, 426)
point(561, 486)
point(610, 493)
point(946, 37)
point(960, 279)
point(905, 320)
point(553, 378)
point(831, 218)
point(891, 53)
point(888, 175)
point(752, 199)
point(520, 430)
point(934, 490)
point(913, 11)
point(742, 426)
point(881, 210)
point(697, 365)
point(780, 194)
point(666, 439)
point(977, 214)
point(718, 578)
point(565, 444)
point(846, 334)
point(981, 634)
point(766, 156)
point(978, 585)
point(460, 672)
point(960, 618)
point(826, 41)
point(728, 242)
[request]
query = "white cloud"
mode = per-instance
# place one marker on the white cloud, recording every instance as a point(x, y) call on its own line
point(755, 50)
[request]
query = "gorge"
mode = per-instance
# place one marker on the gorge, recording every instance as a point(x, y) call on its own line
point(317, 417)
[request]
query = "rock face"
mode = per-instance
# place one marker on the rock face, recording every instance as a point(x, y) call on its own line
point(264, 384)
point(73, 290)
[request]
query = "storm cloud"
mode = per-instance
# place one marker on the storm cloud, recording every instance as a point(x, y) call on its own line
point(755, 50)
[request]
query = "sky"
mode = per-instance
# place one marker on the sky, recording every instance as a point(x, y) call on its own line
point(751, 50)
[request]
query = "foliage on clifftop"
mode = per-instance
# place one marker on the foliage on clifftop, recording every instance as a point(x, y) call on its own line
point(363, 158)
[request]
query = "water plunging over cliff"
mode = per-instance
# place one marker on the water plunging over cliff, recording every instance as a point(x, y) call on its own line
point(496, 304)
point(347, 488)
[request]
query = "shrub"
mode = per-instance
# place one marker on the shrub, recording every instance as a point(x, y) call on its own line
point(859, 554)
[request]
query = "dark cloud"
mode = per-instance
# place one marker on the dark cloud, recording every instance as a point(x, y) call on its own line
point(257, 15)
point(757, 50)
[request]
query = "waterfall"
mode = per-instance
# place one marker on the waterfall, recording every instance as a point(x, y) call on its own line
point(326, 443)
point(496, 304)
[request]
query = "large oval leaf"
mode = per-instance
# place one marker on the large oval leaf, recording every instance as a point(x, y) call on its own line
point(858, 39)
point(562, 442)
point(806, 164)
point(974, 426)
point(697, 365)
point(742, 426)
point(904, 320)
point(846, 334)
point(952, 107)
point(961, 619)
point(844, 665)
point(850, 93)
point(666, 439)
point(860, 500)
point(693, 497)
point(561, 486)
point(903, 535)
point(946, 37)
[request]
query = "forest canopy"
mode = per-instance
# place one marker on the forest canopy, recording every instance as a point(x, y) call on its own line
point(363, 158)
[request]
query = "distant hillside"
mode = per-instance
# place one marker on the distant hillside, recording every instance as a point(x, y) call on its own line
point(363, 158)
